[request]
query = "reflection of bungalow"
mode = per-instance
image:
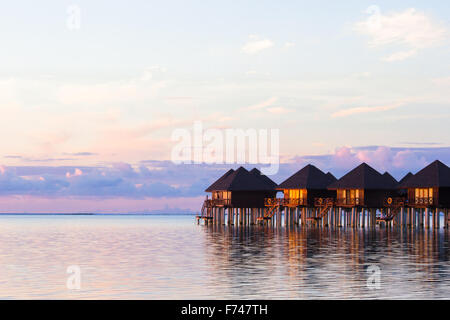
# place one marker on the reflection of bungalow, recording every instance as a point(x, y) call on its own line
point(364, 187)
point(430, 187)
point(241, 189)
point(306, 185)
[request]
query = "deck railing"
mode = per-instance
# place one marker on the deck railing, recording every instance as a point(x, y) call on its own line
point(423, 201)
point(294, 202)
point(350, 202)
point(272, 202)
point(395, 202)
point(218, 202)
point(323, 202)
point(289, 202)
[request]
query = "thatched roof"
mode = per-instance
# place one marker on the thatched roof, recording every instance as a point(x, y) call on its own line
point(332, 177)
point(364, 177)
point(435, 174)
point(218, 182)
point(390, 178)
point(406, 177)
point(242, 180)
point(265, 178)
point(309, 177)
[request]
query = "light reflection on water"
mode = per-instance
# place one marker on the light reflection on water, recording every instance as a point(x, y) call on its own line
point(170, 257)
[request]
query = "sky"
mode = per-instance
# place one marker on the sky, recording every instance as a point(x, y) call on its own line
point(91, 92)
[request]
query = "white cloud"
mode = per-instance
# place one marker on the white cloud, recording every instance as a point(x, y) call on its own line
point(263, 104)
point(256, 73)
point(352, 111)
point(409, 29)
point(256, 45)
point(400, 55)
point(362, 75)
point(289, 44)
point(267, 105)
point(117, 92)
point(442, 81)
point(278, 110)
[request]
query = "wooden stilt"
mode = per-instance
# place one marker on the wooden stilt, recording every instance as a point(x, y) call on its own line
point(436, 218)
point(363, 217)
point(286, 214)
point(409, 217)
point(374, 218)
point(330, 217)
point(446, 222)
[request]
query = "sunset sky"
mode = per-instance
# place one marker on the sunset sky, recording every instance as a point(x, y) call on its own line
point(87, 110)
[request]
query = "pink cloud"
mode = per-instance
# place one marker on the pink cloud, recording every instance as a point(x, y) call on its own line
point(408, 158)
point(77, 172)
point(34, 204)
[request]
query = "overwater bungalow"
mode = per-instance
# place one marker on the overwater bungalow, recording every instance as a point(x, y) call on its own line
point(306, 185)
point(364, 187)
point(430, 187)
point(241, 189)
point(241, 193)
point(361, 197)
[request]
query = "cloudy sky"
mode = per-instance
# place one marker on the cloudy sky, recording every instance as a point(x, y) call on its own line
point(91, 91)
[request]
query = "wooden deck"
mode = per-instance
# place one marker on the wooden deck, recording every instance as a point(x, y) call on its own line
point(327, 212)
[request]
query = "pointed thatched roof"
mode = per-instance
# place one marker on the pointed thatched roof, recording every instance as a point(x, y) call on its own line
point(364, 177)
point(265, 178)
point(218, 182)
point(406, 177)
point(435, 174)
point(242, 180)
point(332, 177)
point(309, 177)
point(390, 178)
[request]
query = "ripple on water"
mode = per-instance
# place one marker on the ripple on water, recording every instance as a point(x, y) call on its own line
point(170, 257)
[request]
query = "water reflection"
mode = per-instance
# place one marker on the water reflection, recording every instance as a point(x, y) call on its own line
point(318, 263)
point(170, 257)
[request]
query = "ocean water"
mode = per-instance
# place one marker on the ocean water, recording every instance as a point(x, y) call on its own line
point(171, 257)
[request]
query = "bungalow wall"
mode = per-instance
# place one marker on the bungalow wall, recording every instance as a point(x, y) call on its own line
point(376, 198)
point(309, 195)
point(444, 197)
point(422, 197)
point(250, 199)
point(350, 197)
point(313, 194)
point(222, 198)
point(362, 197)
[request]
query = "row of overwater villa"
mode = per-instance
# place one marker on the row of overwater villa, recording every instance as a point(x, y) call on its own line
point(361, 198)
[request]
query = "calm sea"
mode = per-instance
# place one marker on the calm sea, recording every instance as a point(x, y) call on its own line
point(170, 257)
